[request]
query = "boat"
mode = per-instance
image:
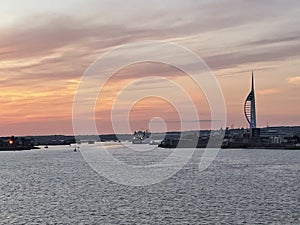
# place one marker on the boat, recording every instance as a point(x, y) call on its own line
point(141, 137)
point(154, 142)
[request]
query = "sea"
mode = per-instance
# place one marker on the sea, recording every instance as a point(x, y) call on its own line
point(59, 186)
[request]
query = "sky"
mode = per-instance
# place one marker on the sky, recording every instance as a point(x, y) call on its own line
point(47, 46)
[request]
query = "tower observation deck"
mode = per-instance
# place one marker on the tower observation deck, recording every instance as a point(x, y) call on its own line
point(249, 106)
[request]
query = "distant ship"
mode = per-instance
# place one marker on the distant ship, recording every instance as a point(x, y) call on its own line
point(141, 137)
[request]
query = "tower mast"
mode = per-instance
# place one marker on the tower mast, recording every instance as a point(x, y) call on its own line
point(253, 110)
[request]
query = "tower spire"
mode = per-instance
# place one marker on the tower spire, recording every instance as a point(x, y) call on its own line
point(252, 86)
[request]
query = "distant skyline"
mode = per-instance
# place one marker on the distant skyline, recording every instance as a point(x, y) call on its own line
point(46, 46)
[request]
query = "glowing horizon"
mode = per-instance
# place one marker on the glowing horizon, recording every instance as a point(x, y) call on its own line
point(45, 48)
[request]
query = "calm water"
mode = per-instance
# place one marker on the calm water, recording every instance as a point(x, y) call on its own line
point(240, 187)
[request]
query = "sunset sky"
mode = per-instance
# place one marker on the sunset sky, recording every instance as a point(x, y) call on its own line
point(46, 46)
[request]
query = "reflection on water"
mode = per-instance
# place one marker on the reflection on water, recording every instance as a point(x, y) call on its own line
point(241, 186)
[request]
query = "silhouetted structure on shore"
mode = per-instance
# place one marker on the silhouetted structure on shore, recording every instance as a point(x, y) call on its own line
point(53, 140)
point(249, 106)
point(268, 137)
point(16, 143)
point(276, 137)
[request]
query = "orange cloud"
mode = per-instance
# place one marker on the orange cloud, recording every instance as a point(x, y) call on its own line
point(42, 60)
point(269, 91)
point(294, 80)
